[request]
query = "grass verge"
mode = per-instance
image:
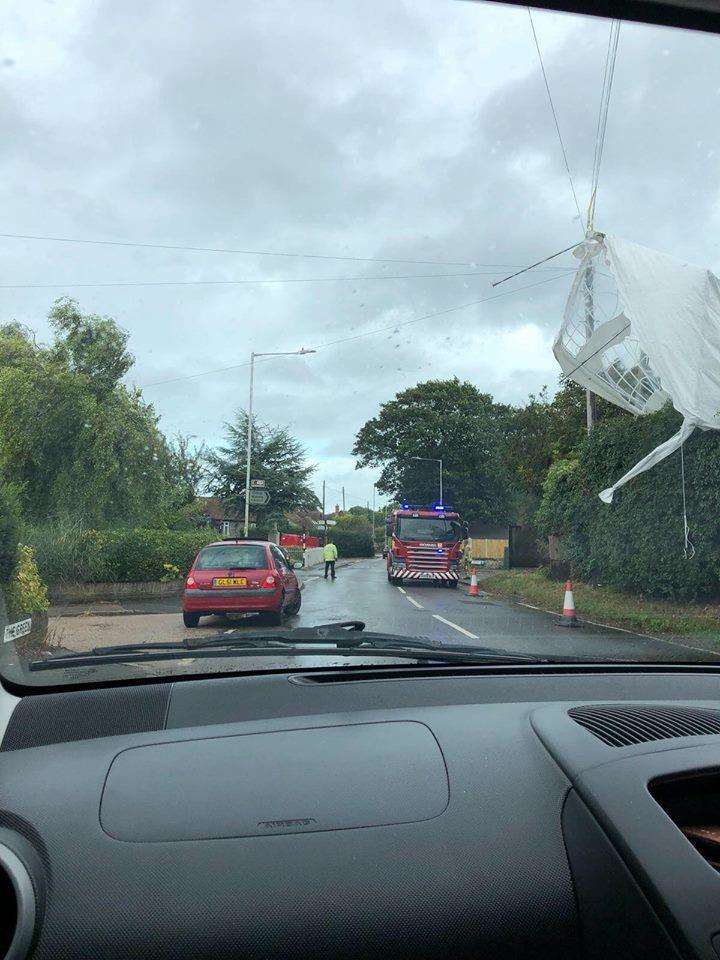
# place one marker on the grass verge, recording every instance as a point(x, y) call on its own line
point(607, 605)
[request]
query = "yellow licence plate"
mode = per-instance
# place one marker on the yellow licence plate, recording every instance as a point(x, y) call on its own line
point(230, 582)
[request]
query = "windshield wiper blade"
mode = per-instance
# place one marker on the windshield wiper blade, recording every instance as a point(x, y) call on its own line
point(288, 651)
point(345, 632)
point(254, 638)
point(346, 638)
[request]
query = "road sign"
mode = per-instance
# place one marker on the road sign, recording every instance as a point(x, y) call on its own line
point(257, 484)
point(258, 498)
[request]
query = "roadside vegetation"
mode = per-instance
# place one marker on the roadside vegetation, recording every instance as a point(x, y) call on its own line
point(91, 490)
point(536, 465)
point(608, 605)
point(66, 552)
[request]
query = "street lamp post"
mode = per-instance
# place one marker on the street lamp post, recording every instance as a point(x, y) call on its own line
point(434, 460)
point(286, 353)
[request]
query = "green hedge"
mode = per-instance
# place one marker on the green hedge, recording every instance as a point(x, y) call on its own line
point(351, 543)
point(71, 554)
point(68, 553)
point(9, 532)
point(636, 543)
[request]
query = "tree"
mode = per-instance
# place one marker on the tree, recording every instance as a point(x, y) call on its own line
point(18, 347)
point(543, 431)
point(188, 461)
point(446, 419)
point(90, 345)
point(74, 441)
point(9, 533)
point(303, 520)
point(276, 457)
point(355, 519)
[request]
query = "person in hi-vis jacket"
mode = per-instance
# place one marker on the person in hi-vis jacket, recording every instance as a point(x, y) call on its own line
point(330, 555)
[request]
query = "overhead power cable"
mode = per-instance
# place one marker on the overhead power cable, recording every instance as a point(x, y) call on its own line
point(260, 280)
point(601, 130)
point(253, 253)
point(554, 113)
point(361, 336)
point(534, 266)
point(259, 253)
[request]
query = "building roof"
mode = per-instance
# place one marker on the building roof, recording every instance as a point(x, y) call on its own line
point(215, 509)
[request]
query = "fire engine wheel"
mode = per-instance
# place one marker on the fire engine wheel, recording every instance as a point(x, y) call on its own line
point(451, 584)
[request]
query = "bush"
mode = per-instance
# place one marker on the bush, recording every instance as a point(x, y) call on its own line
point(351, 543)
point(27, 593)
point(71, 554)
point(63, 553)
point(636, 543)
point(9, 532)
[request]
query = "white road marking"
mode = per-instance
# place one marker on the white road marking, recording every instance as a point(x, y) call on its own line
point(413, 602)
point(455, 626)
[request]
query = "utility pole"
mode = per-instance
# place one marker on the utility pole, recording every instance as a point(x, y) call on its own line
point(343, 493)
point(285, 353)
point(249, 446)
point(590, 404)
point(323, 513)
point(373, 519)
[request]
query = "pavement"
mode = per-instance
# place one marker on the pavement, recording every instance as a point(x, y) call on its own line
point(361, 592)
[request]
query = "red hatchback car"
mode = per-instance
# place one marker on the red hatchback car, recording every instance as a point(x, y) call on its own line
point(241, 576)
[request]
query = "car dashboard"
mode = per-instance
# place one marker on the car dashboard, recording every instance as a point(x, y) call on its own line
point(394, 813)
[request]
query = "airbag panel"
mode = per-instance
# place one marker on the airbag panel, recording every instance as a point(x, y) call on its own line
point(289, 781)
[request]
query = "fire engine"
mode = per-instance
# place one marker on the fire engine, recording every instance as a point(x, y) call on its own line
point(426, 543)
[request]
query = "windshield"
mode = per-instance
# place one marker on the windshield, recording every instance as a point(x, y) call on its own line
point(249, 557)
point(427, 528)
point(273, 272)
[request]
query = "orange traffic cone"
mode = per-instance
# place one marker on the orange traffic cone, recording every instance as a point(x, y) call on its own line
point(569, 617)
point(473, 592)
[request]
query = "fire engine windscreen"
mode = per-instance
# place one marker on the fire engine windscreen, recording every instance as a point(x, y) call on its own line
point(428, 528)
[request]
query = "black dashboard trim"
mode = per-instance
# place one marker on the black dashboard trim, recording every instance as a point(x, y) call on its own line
point(357, 673)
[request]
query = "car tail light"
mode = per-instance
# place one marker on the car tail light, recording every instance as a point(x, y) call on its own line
point(269, 582)
point(190, 582)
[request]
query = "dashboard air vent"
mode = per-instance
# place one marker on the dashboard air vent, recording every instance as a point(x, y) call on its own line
point(619, 725)
point(18, 900)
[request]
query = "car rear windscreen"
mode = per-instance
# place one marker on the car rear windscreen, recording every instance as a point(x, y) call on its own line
point(244, 556)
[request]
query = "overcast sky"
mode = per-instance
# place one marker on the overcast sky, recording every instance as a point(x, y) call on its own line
point(411, 131)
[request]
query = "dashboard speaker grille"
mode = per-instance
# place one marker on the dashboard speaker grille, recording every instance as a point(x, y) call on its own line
point(620, 725)
point(42, 719)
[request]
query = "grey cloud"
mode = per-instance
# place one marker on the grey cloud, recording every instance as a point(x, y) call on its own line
point(417, 130)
